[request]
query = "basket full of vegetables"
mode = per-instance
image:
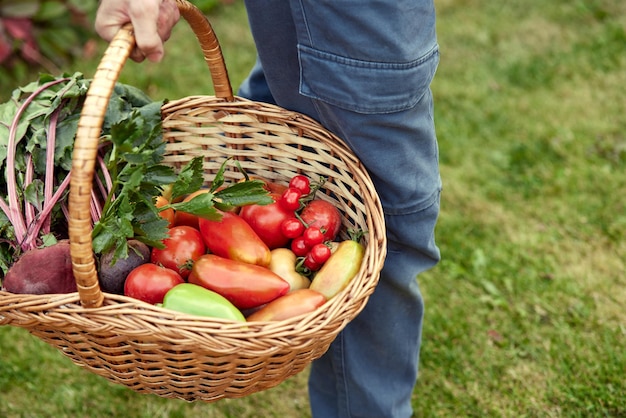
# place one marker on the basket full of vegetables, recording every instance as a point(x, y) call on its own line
point(205, 248)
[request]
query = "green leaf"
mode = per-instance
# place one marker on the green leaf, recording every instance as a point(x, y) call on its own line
point(124, 101)
point(201, 205)
point(218, 180)
point(48, 240)
point(155, 177)
point(244, 193)
point(33, 193)
point(149, 227)
point(66, 132)
point(189, 180)
point(115, 227)
point(131, 181)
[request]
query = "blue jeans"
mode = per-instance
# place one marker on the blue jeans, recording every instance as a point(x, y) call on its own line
point(363, 69)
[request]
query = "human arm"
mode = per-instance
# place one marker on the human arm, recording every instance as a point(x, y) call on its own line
point(152, 22)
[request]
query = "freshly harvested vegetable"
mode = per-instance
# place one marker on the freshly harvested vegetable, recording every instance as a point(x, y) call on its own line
point(138, 178)
point(313, 235)
point(310, 264)
point(317, 256)
point(302, 183)
point(320, 253)
point(150, 282)
point(266, 221)
point(112, 276)
point(292, 228)
point(290, 199)
point(323, 215)
point(232, 237)
point(299, 247)
point(337, 272)
point(283, 263)
point(182, 247)
point(42, 270)
point(34, 168)
point(244, 285)
point(196, 300)
point(298, 302)
point(37, 129)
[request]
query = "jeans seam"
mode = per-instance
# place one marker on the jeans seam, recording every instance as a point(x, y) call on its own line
point(342, 385)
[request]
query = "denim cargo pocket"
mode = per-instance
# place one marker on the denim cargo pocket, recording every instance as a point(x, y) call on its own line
point(365, 86)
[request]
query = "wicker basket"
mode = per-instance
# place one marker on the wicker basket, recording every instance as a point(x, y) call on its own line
point(173, 355)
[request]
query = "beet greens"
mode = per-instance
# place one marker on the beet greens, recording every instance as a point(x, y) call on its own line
point(37, 129)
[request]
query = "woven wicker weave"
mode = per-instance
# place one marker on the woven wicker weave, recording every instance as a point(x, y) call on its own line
point(154, 350)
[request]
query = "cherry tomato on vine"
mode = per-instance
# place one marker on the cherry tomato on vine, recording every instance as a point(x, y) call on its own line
point(291, 228)
point(324, 215)
point(310, 263)
point(299, 247)
point(301, 183)
point(313, 236)
point(320, 253)
point(290, 199)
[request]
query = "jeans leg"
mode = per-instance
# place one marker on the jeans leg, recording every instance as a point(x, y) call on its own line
point(365, 76)
point(255, 86)
point(374, 361)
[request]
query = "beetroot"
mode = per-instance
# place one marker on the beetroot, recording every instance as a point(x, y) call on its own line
point(112, 276)
point(42, 271)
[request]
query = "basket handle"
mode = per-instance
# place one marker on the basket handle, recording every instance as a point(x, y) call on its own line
point(88, 135)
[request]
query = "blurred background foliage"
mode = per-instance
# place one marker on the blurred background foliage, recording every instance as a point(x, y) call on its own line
point(49, 35)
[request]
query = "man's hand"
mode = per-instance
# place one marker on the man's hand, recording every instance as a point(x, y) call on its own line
point(152, 22)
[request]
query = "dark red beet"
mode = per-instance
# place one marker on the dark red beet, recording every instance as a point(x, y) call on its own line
point(42, 271)
point(113, 276)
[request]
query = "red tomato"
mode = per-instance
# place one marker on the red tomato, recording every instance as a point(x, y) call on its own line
point(299, 247)
point(324, 215)
point(290, 199)
point(310, 263)
point(183, 246)
point(313, 236)
point(292, 228)
point(266, 221)
point(244, 285)
point(150, 282)
point(320, 253)
point(301, 183)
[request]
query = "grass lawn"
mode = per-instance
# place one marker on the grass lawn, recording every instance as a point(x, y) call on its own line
point(525, 313)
